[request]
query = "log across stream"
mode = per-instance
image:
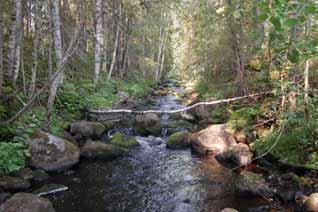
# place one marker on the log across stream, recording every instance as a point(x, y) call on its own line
point(150, 178)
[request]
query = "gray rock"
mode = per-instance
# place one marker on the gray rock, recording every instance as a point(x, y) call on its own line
point(13, 183)
point(25, 173)
point(148, 124)
point(252, 184)
point(212, 140)
point(87, 130)
point(24, 202)
point(98, 150)
point(51, 153)
point(229, 210)
point(179, 140)
point(237, 155)
point(40, 175)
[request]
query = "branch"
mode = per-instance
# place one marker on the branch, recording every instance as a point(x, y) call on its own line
point(179, 110)
point(70, 51)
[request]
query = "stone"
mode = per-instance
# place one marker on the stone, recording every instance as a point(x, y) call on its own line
point(24, 173)
point(4, 197)
point(179, 140)
point(229, 210)
point(120, 140)
point(237, 155)
point(99, 150)
point(87, 130)
point(311, 203)
point(148, 124)
point(213, 140)
point(40, 175)
point(249, 184)
point(25, 202)
point(13, 183)
point(241, 137)
point(51, 153)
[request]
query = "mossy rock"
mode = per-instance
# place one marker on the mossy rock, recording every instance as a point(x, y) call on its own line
point(119, 140)
point(99, 150)
point(179, 140)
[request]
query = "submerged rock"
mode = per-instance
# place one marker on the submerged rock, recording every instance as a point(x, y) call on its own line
point(13, 183)
point(98, 150)
point(87, 130)
point(50, 189)
point(212, 140)
point(148, 124)
point(252, 184)
point(229, 210)
point(51, 153)
point(238, 155)
point(178, 140)
point(40, 175)
point(25, 202)
point(120, 140)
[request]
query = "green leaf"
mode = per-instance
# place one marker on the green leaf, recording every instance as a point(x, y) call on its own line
point(291, 22)
point(310, 9)
point(276, 23)
point(294, 56)
point(263, 17)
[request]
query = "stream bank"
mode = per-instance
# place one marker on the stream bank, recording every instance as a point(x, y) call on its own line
point(151, 177)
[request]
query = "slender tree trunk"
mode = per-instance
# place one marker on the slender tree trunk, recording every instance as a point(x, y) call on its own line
point(98, 39)
point(35, 49)
point(19, 36)
point(160, 50)
point(114, 59)
point(1, 52)
point(306, 76)
point(59, 55)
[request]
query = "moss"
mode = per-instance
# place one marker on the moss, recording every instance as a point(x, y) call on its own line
point(178, 140)
point(289, 150)
point(120, 140)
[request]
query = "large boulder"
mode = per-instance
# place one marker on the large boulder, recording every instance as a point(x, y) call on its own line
point(212, 140)
point(121, 140)
point(87, 130)
point(13, 183)
point(237, 155)
point(249, 184)
point(148, 124)
point(51, 153)
point(99, 150)
point(178, 140)
point(24, 202)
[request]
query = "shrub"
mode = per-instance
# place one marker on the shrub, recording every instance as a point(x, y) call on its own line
point(12, 156)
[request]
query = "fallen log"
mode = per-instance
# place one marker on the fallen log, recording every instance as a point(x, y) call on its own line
point(216, 102)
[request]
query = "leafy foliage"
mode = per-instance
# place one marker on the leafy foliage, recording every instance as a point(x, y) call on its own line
point(12, 156)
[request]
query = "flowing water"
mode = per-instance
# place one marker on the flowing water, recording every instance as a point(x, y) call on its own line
point(150, 178)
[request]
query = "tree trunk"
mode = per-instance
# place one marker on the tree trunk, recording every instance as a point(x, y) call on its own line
point(58, 54)
point(19, 36)
point(306, 76)
point(98, 39)
point(1, 52)
point(36, 40)
point(114, 59)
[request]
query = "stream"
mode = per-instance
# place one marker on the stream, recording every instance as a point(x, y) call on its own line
point(150, 178)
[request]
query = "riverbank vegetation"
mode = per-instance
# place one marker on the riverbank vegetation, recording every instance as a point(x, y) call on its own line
point(59, 58)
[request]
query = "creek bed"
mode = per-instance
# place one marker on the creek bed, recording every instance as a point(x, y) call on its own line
point(150, 178)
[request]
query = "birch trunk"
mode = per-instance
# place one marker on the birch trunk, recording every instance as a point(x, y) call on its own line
point(306, 76)
point(19, 36)
point(59, 55)
point(160, 48)
point(114, 59)
point(1, 52)
point(35, 49)
point(98, 40)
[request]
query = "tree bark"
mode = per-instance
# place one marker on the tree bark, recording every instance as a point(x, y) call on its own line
point(1, 52)
point(98, 40)
point(36, 40)
point(59, 55)
point(19, 36)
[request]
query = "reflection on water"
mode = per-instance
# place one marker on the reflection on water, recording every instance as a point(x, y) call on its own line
point(150, 178)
